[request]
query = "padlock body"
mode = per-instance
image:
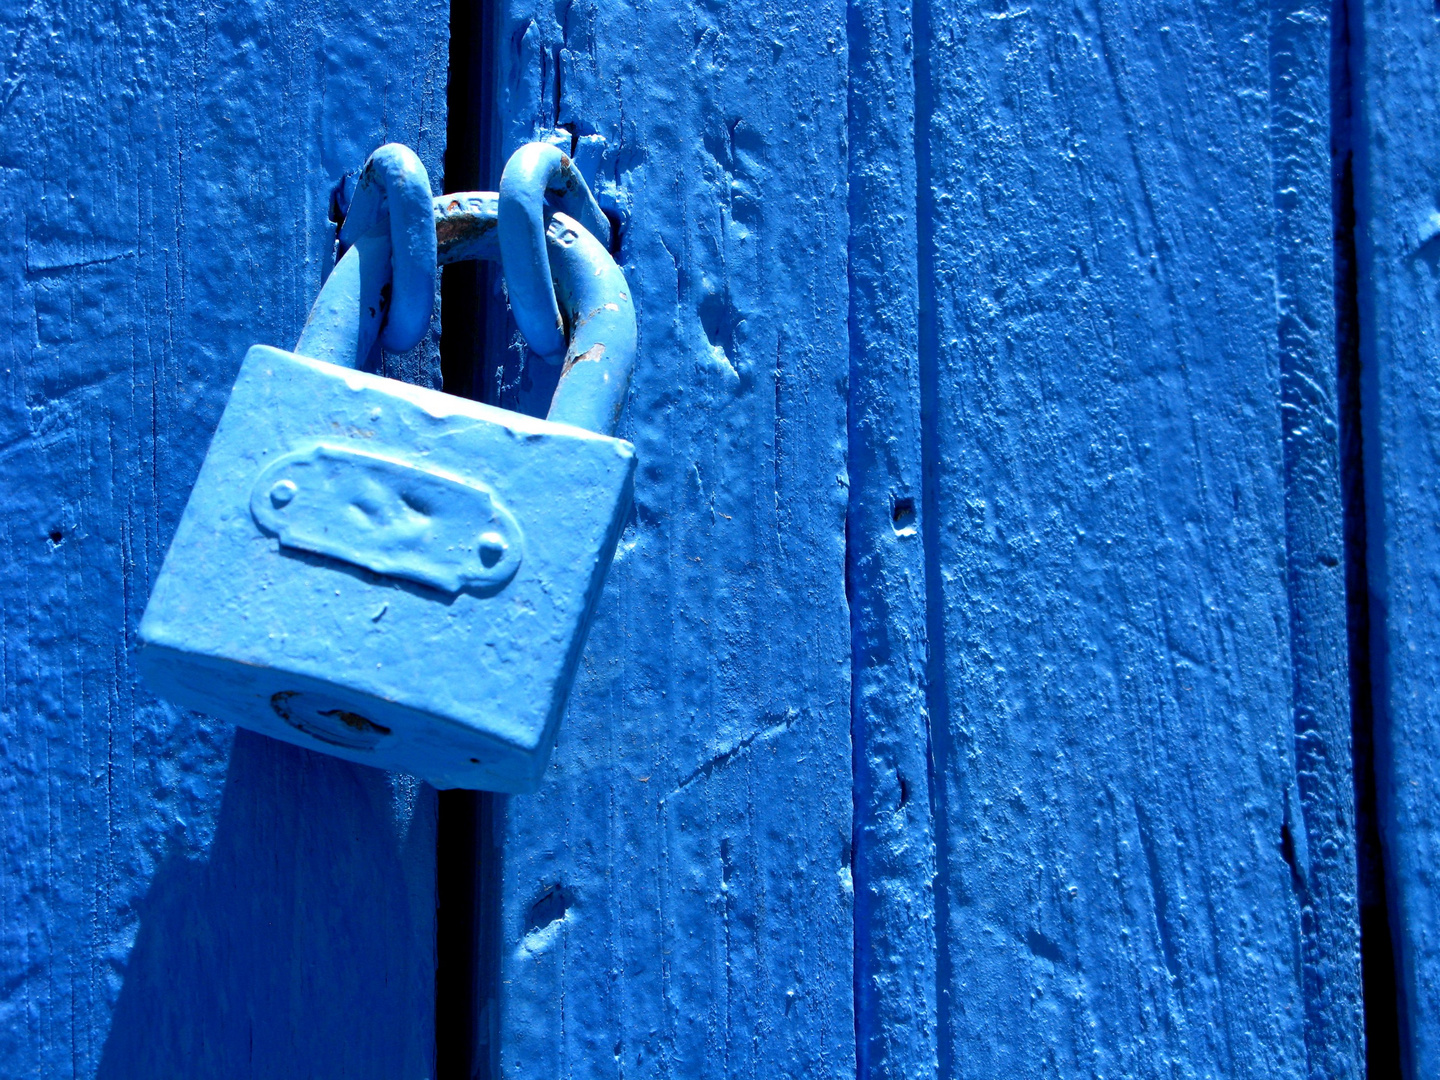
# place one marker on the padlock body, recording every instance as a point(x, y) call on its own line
point(387, 573)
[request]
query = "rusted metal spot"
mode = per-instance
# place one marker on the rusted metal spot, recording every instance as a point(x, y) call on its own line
point(466, 226)
point(595, 352)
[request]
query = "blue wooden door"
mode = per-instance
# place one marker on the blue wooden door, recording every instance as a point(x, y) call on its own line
point(1394, 348)
point(1056, 691)
point(972, 694)
point(177, 899)
point(678, 899)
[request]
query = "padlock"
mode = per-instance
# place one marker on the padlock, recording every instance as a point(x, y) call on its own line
point(388, 573)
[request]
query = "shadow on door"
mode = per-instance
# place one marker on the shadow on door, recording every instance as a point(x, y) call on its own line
point(301, 945)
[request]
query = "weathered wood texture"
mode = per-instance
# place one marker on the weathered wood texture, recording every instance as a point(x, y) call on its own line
point(897, 965)
point(1148, 859)
point(677, 899)
point(177, 900)
point(1397, 231)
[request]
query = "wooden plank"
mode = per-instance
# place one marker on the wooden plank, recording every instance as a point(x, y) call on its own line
point(1397, 230)
point(898, 970)
point(1149, 858)
point(177, 900)
point(1307, 332)
point(677, 899)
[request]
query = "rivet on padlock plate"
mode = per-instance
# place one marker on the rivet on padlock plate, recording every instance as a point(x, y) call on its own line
point(388, 573)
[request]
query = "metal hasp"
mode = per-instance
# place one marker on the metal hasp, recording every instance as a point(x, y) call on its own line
point(385, 572)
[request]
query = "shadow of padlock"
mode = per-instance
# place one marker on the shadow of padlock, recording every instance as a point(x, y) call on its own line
point(391, 574)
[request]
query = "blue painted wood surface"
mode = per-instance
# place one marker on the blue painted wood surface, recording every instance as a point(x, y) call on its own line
point(177, 900)
point(1144, 752)
point(967, 697)
point(677, 898)
point(899, 971)
point(1396, 62)
point(1093, 555)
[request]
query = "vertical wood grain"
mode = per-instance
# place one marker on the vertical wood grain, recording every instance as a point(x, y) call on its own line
point(1397, 232)
point(176, 899)
point(898, 968)
point(1150, 850)
point(678, 896)
point(1323, 827)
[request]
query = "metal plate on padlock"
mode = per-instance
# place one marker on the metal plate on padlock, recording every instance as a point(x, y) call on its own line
point(389, 516)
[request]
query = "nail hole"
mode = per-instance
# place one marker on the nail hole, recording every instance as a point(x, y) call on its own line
point(551, 907)
point(902, 516)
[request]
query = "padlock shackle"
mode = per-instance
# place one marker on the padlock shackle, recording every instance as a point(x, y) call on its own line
point(539, 178)
point(593, 297)
point(594, 300)
point(346, 317)
point(384, 285)
point(590, 290)
point(392, 196)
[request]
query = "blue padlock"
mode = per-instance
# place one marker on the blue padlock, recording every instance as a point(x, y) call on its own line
point(391, 574)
